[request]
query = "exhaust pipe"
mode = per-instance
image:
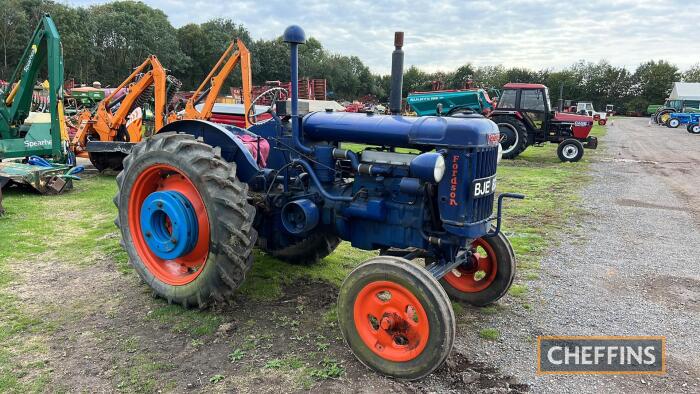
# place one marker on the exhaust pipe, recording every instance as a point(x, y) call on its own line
point(294, 35)
point(396, 75)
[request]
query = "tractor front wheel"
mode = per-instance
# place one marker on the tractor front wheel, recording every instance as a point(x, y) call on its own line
point(396, 318)
point(570, 150)
point(673, 123)
point(185, 220)
point(487, 276)
point(513, 135)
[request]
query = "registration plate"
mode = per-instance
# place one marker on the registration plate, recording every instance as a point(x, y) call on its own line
point(483, 187)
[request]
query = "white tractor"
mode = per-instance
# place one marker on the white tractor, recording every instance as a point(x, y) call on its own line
point(586, 108)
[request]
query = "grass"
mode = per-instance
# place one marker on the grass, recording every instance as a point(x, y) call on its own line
point(191, 321)
point(77, 228)
point(489, 334)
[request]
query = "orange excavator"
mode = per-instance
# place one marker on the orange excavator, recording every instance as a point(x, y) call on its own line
point(141, 105)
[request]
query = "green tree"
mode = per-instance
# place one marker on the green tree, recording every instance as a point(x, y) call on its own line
point(13, 30)
point(126, 33)
point(692, 74)
point(655, 79)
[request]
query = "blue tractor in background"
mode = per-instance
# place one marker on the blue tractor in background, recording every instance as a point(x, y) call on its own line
point(194, 200)
point(689, 119)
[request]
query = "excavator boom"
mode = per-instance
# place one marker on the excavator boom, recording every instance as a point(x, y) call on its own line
point(107, 135)
point(212, 84)
point(16, 139)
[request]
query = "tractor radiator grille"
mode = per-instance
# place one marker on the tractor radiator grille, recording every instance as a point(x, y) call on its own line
point(484, 163)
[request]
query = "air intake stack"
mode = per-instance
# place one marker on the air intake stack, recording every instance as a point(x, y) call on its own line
point(396, 74)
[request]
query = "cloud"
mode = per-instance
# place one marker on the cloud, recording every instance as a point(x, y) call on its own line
point(442, 35)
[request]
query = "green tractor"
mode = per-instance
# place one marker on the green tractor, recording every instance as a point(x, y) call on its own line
point(28, 138)
point(662, 113)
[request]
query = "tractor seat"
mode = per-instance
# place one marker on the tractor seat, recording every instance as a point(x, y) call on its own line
point(258, 146)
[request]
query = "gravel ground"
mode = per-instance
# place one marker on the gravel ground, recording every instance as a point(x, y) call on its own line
point(629, 267)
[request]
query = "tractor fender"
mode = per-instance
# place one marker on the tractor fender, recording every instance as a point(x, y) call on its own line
point(232, 149)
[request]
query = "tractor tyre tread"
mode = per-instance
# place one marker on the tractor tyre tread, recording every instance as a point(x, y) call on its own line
point(506, 275)
point(520, 128)
point(230, 216)
point(309, 250)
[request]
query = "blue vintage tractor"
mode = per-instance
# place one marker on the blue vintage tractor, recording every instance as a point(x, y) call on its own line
point(197, 197)
point(688, 119)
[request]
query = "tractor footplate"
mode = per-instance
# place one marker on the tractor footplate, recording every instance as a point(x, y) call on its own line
point(46, 180)
point(591, 143)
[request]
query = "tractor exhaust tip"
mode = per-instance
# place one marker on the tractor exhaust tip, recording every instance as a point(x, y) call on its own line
point(396, 75)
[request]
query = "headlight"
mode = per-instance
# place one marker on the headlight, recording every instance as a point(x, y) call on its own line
point(439, 170)
point(500, 154)
point(428, 167)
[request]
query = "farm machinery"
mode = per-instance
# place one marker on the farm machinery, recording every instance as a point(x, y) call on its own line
point(451, 102)
point(662, 114)
point(586, 108)
point(31, 137)
point(193, 201)
point(690, 120)
point(523, 114)
point(142, 105)
point(525, 117)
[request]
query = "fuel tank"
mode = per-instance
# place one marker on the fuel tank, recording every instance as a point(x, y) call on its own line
point(399, 131)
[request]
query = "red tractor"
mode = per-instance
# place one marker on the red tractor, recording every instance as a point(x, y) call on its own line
point(525, 117)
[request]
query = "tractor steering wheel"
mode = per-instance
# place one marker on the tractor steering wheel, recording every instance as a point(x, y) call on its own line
point(270, 95)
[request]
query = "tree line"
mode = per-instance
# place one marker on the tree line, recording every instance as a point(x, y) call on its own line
point(105, 42)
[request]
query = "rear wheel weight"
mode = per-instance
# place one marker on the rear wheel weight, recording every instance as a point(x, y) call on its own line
point(488, 278)
point(396, 318)
point(215, 262)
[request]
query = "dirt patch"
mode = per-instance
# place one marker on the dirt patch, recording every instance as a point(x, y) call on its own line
point(675, 292)
point(108, 333)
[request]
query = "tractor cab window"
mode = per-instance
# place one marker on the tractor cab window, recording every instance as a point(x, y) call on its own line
point(694, 104)
point(532, 100)
point(507, 99)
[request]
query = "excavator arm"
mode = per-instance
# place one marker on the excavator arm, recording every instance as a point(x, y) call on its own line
point(106, 124)
point(15, 103)
point(210, 88)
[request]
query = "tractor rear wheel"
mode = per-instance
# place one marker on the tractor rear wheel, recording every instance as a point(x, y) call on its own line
point(487, 277)
point(694, 129)
point(306, 251)
point(570, 150)
point(513, 135)
point(664, 115)
point(185, 220)
point(396, 318)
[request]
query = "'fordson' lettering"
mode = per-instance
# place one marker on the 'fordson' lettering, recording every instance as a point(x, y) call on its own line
point(453, 181)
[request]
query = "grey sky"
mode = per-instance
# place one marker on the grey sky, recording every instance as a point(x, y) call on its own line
point(443, 34)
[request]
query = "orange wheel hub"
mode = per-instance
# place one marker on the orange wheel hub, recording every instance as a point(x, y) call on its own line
point(181, 270)
point(479, 275)
point(391, 321)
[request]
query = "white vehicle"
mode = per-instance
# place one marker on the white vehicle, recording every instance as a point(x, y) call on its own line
point(586, 108)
